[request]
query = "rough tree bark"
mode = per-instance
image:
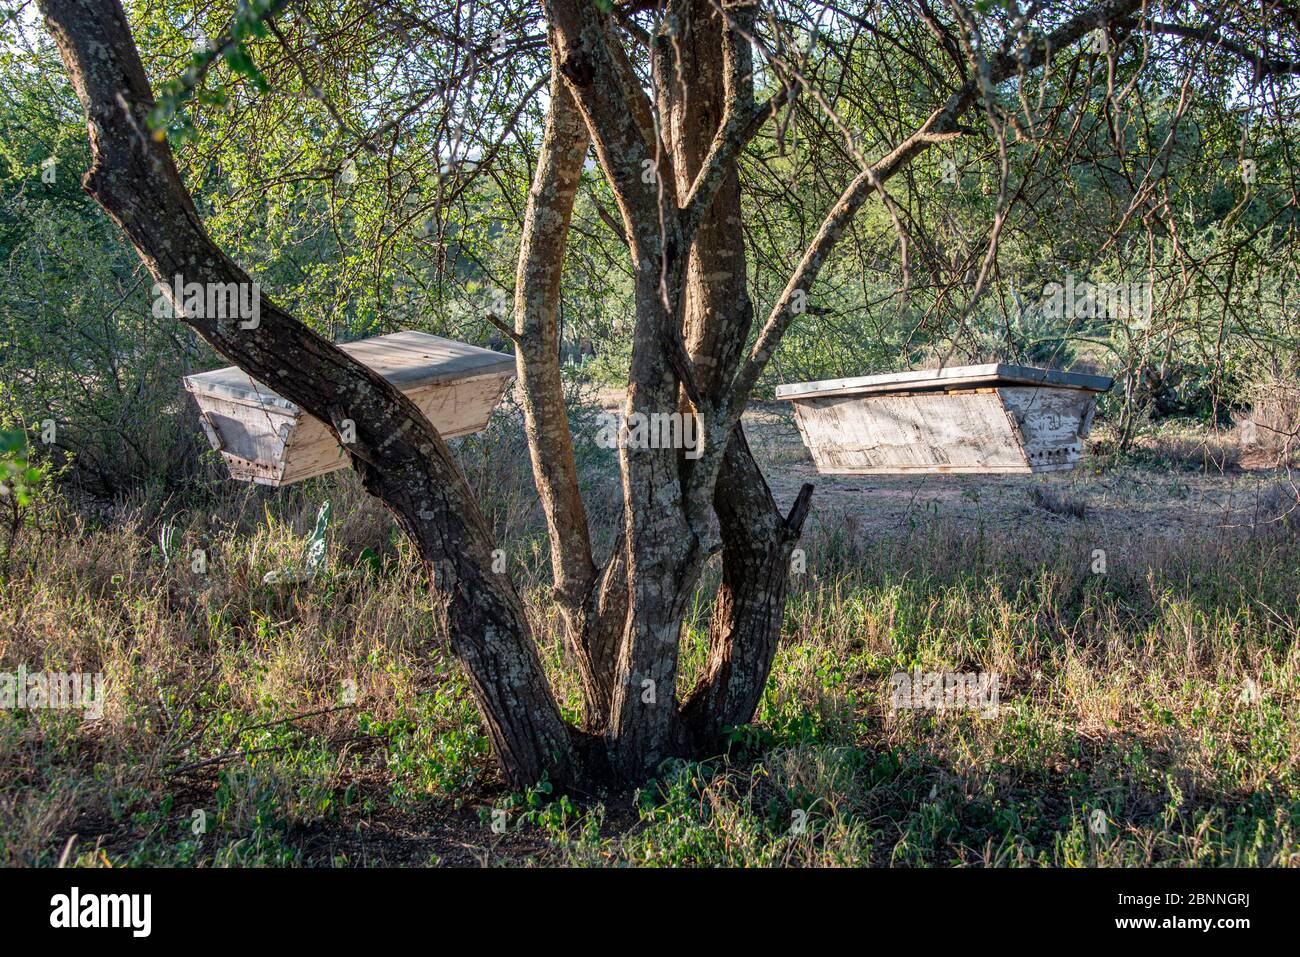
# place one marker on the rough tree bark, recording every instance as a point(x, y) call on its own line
point(592, 601)
point(541, 390)
point(663, 553)
point(748, 611)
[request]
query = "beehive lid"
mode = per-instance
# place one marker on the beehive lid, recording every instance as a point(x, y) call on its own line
point(409, 360)
point(951, 377)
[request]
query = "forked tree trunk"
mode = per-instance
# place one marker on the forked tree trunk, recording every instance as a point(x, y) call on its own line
point(748, 612)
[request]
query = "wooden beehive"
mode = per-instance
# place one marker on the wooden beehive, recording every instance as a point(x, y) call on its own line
point(265, 438)
point(987, 418)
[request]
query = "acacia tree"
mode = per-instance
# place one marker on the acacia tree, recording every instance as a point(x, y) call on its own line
point(668, 96)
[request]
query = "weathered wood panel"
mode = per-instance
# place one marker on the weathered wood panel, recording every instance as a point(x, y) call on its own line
point(252, 440)
point(457, 408)
point(1053, 423)
point(1004, 428)
point(934, 432)
point(952, 378)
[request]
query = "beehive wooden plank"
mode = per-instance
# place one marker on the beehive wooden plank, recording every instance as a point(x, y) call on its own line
point(940, 432)
point(455, 409)
point(252, 440)
point(266, 438)
point(992, 418)
point(409, 360)
point(949, 377)
point(1054, 423)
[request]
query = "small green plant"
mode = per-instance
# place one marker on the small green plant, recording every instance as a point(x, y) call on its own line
point(19, 482)
point(19, 478)
point(313, 555)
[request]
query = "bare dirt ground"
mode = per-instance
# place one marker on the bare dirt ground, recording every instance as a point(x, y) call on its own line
point(1147, 500)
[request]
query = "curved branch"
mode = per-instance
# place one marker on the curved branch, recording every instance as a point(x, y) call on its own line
point(1264, 66)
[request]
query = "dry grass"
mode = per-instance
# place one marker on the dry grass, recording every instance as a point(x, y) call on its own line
point(1057, 503)
point(325, 723)
point(1269, 434)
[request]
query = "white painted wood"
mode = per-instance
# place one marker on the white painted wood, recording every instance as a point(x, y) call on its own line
point(408, 359)
point(1053, 422)
point(265, 438)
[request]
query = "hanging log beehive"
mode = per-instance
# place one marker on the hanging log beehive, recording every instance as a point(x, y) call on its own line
point(265, 438)
point(987, 418)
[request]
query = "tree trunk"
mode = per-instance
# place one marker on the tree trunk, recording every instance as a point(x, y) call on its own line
point(583, 601)
point(747, 613)
point(749, 610)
